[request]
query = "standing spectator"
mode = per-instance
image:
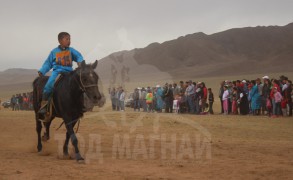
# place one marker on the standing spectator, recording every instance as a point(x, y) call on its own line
point(182, 101)
point(244, 85)
point(221, 91)
point(20, 101)
point(286, 93)
point(190, 96)
point(168, 98)
point(149, 100)
point(176, 90)
point(230, 89)
point(122, 99)
point(255, 98)
point(197, 97)
point(284, 84)
point(266, 94)
point(275, 86)
point(113, 98)
point(235, 98)
point(225, 99)
point(278, 99)
point(25, 101)
point(143, 100)
point(176, 97)
point(17, 107)
point(249, 87)
point(117, 96)
point(240, 86)
point(136, 104)
point(260, 92)
point(243, 103)
point(211, 101)
point(204, 96)
point(290, 111)
point(13, 102)
point(159, 98)
point(289, 97)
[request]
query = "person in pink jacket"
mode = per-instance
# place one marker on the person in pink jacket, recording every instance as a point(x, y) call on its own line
point(225, 100)
point(278, 99)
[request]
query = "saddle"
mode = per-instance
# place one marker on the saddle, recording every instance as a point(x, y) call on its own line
point(59, 78)
point(48, 116)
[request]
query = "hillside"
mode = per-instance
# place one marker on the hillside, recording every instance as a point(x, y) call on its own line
point(17, 76)
point(233, 52)
point(240, 51)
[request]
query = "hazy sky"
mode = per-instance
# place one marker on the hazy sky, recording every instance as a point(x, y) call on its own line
point(29, 28)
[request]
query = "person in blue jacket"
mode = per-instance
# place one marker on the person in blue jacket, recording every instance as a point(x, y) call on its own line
point(60, 59)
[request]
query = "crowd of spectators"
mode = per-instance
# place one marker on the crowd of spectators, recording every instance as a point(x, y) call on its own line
point(260, 96)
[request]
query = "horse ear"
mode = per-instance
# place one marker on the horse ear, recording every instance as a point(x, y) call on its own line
point(95, 64)
point(82, 65)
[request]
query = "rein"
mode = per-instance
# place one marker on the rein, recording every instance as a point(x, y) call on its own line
point(83, 89)
point(81, 84)
point(70, 123)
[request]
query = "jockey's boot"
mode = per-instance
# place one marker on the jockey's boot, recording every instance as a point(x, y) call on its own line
point(44, 108)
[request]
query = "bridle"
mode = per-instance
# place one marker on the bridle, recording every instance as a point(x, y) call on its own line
point(81, 84)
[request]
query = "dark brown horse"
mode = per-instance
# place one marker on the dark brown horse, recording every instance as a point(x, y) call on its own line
point(68, 96)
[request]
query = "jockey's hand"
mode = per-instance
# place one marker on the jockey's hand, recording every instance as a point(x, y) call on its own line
point(40, 74)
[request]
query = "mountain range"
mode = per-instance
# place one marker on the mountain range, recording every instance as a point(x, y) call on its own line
point(261, 49)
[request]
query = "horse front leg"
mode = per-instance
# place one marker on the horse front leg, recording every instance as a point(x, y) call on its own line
point(39, 130)
point(74, 142)
point(46, 135)
point(65, 146)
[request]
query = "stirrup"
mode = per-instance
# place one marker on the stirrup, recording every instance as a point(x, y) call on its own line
point(44, 106)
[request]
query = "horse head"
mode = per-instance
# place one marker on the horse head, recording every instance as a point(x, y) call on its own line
point(88, 80)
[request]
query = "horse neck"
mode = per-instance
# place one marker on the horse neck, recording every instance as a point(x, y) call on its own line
point(75, 89)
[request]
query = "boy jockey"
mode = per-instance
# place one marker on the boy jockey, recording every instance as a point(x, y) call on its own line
point(60, 59)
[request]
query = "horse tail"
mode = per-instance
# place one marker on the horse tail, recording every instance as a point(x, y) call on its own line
point(38, 86)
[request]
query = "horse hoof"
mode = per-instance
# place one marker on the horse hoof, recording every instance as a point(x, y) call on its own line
point(45, 138)
point(66, 157)
point(80, 161)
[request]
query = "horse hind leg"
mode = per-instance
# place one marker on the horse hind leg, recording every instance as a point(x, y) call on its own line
point(65, 147)
point(39, 130)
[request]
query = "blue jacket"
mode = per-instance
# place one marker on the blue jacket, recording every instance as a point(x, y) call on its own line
point(61, 60)
point(255, 98)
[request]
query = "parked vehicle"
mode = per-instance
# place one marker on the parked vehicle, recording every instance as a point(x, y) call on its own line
point(6, 104)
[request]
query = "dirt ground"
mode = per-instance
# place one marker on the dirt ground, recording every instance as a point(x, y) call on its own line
point(138, 145)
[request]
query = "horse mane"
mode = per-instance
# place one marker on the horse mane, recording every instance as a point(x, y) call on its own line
point(41, 80)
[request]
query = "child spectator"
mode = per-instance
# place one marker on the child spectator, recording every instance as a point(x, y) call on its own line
point(278, 98)
point(149, 100)
point(275, 86)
